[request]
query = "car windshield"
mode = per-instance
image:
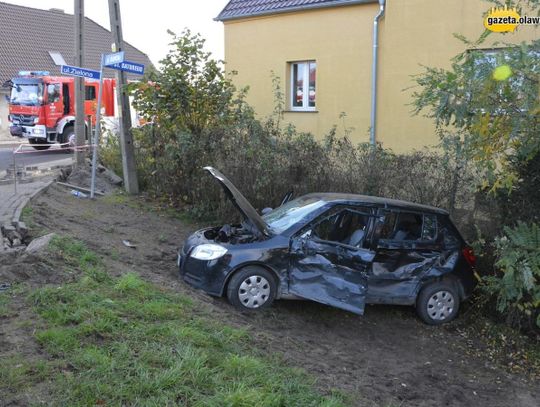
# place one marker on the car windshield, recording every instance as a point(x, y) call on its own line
point(27, 94)
point(282, 218)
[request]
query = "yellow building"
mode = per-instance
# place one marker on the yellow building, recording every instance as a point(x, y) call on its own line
point(322, 51)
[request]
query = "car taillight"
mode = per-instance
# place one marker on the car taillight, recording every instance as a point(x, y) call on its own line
point(468, 253)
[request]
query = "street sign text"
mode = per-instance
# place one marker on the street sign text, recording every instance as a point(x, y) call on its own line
point(128, 66)
point(78, 71)
point(116, 58)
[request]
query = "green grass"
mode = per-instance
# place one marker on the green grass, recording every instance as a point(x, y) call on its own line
point(28, 217)
point(17, 374)
point(27, 212)
point(120, 198)
point(123, 341)
point(4, 304)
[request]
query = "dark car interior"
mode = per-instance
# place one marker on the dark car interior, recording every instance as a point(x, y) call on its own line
point(407, 226)
point(346, 226)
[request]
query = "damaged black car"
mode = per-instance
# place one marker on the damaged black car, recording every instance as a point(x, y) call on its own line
point(342, 250)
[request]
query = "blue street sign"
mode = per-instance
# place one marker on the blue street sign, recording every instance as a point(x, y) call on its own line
point(116, 58)
point(128, 66)
point(82, 72)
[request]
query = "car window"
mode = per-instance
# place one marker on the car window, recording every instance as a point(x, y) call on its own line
point(429, 229)
point(282, 218)
point(409, 226)
point(53, 92)
point(450, 235)
point(89, 93)
point(388, 225)
point(346, 225)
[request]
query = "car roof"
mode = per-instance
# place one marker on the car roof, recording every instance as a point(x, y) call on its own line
point(335, 197)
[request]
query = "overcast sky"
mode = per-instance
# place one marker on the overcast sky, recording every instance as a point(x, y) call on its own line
point(145, 22)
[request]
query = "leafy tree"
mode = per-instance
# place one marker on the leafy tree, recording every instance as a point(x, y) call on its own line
point(486, 108)
point(492, 98)
point(190, 92)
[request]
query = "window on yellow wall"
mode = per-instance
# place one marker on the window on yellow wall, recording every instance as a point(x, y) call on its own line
point(303, 85)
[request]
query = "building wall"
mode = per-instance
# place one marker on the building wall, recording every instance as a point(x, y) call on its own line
point(4, 124)
point(413, 33)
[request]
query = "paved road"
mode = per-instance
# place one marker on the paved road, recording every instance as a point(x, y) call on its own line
point(30, 157)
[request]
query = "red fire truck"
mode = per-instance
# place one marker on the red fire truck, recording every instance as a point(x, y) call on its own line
point(42, 107)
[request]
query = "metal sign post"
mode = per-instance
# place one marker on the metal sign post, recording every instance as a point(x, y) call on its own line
point(114, 61)
point(14, 173)
point(97, 133)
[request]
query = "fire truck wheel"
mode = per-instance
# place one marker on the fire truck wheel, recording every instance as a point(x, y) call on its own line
point(68, 137)
point(38, 141)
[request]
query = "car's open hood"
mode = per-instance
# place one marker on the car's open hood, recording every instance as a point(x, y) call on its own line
point(241, 203)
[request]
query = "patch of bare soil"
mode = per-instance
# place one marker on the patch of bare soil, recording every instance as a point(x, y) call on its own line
point(386, 357)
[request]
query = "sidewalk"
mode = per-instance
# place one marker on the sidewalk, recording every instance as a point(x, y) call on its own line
point(13, 143)
point(11, 204)
point(36, 177)
point(9, 201)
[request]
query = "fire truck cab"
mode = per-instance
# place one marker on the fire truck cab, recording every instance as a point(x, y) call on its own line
point(42, 107)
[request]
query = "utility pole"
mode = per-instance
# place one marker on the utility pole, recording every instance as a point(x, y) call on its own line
point(124, 115)
point(80, 128)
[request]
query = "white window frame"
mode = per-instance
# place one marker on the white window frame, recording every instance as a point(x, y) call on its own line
point(305, 93)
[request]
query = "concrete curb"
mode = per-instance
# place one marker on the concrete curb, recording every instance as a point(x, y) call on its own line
point(14, 230)
point(17, 215)
point(36, 171)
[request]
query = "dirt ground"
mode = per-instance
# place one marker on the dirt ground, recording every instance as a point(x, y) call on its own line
point(387, 357)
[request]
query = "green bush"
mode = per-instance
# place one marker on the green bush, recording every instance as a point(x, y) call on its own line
point(517, 284)
point(265, 163)
point(198, 118)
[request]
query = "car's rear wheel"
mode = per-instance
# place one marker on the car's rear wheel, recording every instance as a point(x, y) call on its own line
point(252, 288)
point(438, 303)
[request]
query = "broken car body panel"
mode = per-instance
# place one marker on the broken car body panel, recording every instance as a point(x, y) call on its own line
point(343, 250)
point(329, 273)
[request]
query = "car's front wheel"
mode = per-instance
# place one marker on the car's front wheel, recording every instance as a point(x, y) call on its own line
point(252, 288)
point(41, 146)
point(438, 303)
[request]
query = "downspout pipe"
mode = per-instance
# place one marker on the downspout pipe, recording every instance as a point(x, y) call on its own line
point(374, 68)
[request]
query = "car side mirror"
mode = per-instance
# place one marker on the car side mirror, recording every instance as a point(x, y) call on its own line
point(300, 243)
point(266, 210)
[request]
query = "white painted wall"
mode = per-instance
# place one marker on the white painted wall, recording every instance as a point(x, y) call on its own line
point(4, 124)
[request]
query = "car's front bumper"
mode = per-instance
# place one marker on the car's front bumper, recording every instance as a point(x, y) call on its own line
point(16, 131)
point(207, 275)
point(37, 131)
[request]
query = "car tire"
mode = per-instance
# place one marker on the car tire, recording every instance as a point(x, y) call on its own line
point(37, 141)
point(252, 288)
point(438, 303)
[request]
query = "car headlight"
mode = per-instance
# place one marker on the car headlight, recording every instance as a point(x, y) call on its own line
point(208, 252)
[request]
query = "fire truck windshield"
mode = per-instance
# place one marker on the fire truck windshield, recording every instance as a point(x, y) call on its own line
point(27, 94)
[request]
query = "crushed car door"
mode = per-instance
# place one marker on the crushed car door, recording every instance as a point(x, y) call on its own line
point(330, 272)
point(406, 249)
